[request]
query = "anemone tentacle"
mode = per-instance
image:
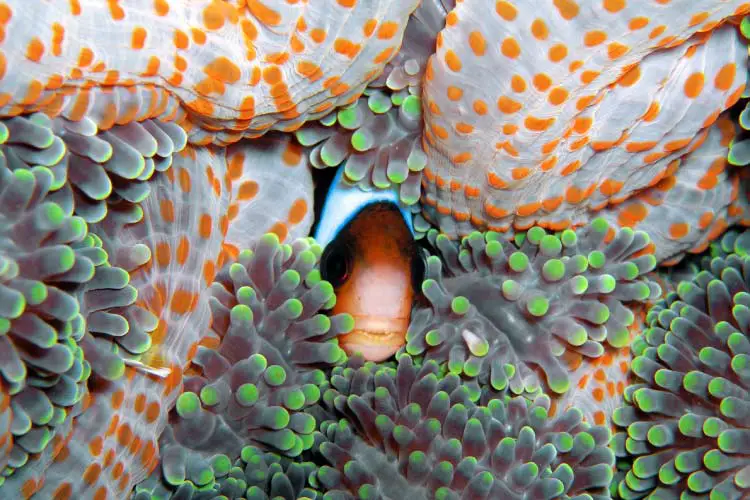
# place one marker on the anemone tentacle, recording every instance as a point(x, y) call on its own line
point(683, 429)
point(410, 433)
point(503, 311)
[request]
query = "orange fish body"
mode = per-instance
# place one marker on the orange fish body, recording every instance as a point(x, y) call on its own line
point(370, 258)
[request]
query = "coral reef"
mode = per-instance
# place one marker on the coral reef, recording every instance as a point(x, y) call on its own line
point(684, 427)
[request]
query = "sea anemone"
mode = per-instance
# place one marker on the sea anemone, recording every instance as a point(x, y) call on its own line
point(500, 311)
point(581, 106)
point(255, 475)
point(139, 340)
point(252, 379)
point(685, 425)
point(411, 433)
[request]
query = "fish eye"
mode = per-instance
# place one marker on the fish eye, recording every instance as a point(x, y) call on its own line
point(336, 263)
point(418, 268)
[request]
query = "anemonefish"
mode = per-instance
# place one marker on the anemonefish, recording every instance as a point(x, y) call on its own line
point(373, 262)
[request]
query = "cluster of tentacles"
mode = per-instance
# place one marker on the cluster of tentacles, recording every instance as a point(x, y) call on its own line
point(164, 328)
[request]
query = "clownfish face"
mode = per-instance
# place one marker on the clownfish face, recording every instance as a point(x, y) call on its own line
point(375, 267)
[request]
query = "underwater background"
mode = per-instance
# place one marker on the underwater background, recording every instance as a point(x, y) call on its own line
point(374, 249)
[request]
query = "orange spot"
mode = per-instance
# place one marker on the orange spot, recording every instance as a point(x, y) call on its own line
point(387, 30)
point(571, 167)
point(675, 145)
point(166, 208)
point(582, 124)
point(725, 77)
point(204, 226)
point(551, 204)
point(631, 77)
point(152, 413)
point(705, 220)
point(183, 250)
point(124, 435)
point(548, 164)
point(679, 230)
point(593, 38)
point(161, 7)
point(346, 47)
point(598, 394)
point(506, 10)
point(508, 105)
point(184, 178)
point(638, 23)
point(657, 31)
point(694, 85)
point(520, 173)
point(584, 102)
point(247, 190)
point(637, 147)
point(263, 13)
point(280, 230)
point(477, 43)
point(538, 124)
point(539, 29)
point(542, 82)
point(462, 157)
point(292, 154)
point(35, 50)
point(632, 214)
point(735, 96)
point(63, 492)
point(91, 474)
point(557, 96)
point(510, 128)
point(213, 16)
point(614, 6)
point(452, 61)
point(589, 76)
point(652, 112)
point(480, 107)
point(558, 52)
point(318, 35)
point(698, 18)
point(181, 40)
point(454, 93)
point(496, 181)
point(568, 9)
point(115, 10)
point(297, 211)
point(550, 146)
point(223, 70)
point(510, 48)
point(183, 301)
point(616, 50)
point(528, 209)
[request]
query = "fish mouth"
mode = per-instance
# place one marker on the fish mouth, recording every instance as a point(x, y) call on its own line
point(377, 339)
